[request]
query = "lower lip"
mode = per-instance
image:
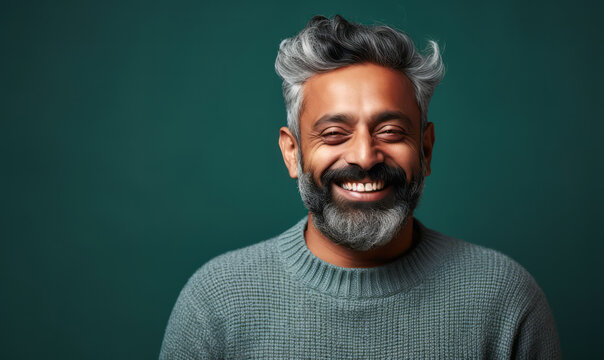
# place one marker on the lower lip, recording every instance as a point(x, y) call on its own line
point(361, 196)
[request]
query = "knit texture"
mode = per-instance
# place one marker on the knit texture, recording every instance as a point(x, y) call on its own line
point(444, 299)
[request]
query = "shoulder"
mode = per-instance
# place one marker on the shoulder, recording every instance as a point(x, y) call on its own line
point(238, 266)
point(213, 293)
point(226, 282)
point(495, 288)
point(489, 272)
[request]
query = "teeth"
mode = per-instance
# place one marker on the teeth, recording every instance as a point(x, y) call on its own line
point(367, 187)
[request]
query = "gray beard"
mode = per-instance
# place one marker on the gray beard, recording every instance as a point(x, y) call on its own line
point(359, 228)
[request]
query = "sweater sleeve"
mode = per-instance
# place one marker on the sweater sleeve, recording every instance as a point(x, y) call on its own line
point(192, 331)
point(537, 337)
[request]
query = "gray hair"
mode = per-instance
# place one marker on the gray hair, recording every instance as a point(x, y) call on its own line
point(328, 44)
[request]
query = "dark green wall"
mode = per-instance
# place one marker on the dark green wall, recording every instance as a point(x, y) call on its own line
point(138, 140)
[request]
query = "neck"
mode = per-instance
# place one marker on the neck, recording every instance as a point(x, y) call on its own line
point(341, 256)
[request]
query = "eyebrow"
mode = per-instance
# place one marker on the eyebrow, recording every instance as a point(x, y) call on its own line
point(342, 118)
point(391, 115)
point(333, 118)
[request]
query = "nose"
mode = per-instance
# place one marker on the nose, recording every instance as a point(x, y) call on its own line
point(362, 151)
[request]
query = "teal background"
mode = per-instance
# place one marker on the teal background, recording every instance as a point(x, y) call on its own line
point(139, 139)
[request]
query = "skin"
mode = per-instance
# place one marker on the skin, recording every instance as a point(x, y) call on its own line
point(361, 114)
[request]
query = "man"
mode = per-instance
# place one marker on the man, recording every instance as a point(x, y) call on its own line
point(360, 277)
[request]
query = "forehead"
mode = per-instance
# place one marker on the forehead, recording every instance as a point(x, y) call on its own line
point(360, 91)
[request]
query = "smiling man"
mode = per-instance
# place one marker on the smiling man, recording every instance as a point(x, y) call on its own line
point(359, 277)
point(361, 162)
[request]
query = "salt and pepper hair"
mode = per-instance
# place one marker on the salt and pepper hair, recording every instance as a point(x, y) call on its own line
point(328, 44)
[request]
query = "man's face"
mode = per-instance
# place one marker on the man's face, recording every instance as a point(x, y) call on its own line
point(360, 173)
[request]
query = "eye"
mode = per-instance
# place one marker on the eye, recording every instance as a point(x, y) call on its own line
point(334, 136)
point(391, 134)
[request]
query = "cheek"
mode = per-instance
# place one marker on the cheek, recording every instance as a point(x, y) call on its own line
point(405, 157)
point(320, 160)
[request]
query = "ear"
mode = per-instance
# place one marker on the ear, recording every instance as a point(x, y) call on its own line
point(428, 145)
point(289, 150)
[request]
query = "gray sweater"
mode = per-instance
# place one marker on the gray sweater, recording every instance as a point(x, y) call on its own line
point(444, 299)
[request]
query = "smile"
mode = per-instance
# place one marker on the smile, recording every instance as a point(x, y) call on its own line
point(363, 187)
point(363, 191)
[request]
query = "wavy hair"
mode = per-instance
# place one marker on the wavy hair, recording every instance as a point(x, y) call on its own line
point(328, 44)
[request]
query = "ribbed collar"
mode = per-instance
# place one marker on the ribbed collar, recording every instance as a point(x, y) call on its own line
point(399, 275)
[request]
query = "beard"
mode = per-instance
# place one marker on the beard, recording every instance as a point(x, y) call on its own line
point(361, 225)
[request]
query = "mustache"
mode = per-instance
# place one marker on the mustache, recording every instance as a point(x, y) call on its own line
point(380, 172)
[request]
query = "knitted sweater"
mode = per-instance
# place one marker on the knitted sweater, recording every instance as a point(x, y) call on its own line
point(444, 299)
